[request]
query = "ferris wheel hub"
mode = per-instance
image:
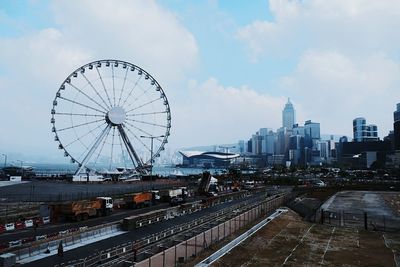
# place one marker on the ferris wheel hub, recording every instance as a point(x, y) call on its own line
point(116, 116)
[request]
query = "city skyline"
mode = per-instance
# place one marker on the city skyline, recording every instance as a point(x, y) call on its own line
point(227, 69)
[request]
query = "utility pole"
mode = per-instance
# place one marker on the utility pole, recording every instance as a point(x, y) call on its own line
point(151, 137)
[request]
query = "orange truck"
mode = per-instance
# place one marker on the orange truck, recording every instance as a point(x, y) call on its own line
point(139, 200)
point(82, 210)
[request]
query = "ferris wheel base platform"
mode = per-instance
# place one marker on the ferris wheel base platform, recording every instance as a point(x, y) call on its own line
point(90, 178)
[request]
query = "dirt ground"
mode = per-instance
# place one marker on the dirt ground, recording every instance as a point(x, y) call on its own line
point(393, 200)
point(290, 241)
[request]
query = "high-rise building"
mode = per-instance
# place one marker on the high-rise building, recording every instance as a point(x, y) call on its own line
point(263, 142)
point(312, 133)
point(241, 147)
point(396, 126)
point(288, 115)
point(298, 130)
point(363, 132)
point(296, 149)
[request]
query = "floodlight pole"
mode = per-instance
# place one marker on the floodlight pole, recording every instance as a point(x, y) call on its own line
point(151, 137)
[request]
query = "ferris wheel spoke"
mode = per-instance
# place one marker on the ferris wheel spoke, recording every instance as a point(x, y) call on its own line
point(122, 148)
point(148, 123)
point(91, 149)
point(137, 138)
point(123, 86)
point(83, 93)
point(80, 104)
point(78, 114)
point(79, 125)
point(101, 148)
point(104, 87)
point(133, 88)
point(112, 148)
point(147, 113)
point(94, 89)
point(143, 131)
point(145, 104)
point(136, 98)
point(84, 135)
point(113, 82)
point(136, 161)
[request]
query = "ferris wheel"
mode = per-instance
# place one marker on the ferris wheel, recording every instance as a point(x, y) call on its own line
point(111, 114)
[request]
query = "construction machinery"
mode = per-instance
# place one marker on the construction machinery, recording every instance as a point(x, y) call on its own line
point(204, 184)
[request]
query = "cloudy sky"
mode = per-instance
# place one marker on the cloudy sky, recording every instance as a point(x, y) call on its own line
point(227, 67)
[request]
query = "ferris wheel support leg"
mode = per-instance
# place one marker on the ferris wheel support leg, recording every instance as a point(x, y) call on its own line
point(103, 134)
point(131, 151)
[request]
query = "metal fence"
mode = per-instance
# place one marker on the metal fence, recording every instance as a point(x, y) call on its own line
point(191, 248)
point(68, 240)
point(364, 220)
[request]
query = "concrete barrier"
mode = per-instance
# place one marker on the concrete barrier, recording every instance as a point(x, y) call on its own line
point(41, 237)
point(19, 225)
point(28, 223)
point(16, 243)
point(10, 226)
point(61, 233)
point(46, 220)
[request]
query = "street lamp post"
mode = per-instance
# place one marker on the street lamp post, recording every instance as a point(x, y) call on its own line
point(5, 159)
point(151, 137)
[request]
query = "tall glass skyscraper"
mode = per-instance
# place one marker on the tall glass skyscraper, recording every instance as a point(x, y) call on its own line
point(288, 115)
point(396, 126)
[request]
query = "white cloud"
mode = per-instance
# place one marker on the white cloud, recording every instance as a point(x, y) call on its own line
point(333, 89)
point(139, 31)
point(32, 66)
point(351, 26)
point(214, 114)
point(345, 53)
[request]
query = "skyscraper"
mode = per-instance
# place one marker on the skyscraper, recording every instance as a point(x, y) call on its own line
point(363, 132)
point(288, 115)
point(396, 126)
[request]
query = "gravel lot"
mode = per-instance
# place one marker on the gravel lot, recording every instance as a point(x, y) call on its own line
point(290, 241)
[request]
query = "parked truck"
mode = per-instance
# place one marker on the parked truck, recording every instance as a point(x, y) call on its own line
point(139, 200)
point(169, 194)
point(83, 209)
